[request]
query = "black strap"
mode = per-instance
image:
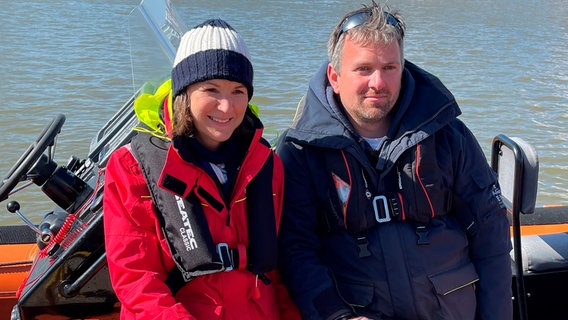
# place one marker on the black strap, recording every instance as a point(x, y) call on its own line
point(261, 221)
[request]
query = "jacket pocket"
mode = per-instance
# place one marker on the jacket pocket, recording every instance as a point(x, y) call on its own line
point(456, 292)
point(454, 280)
point(356, 294)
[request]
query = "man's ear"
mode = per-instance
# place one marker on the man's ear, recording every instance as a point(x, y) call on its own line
point(333, 78)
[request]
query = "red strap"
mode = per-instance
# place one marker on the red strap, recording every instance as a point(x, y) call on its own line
point(167, 118)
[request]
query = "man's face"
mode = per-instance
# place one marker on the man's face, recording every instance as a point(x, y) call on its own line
point(368, 85)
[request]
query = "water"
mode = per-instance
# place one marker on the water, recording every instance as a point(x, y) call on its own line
point(505, 61)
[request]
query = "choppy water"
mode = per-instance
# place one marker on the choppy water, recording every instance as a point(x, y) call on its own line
point(505, 61)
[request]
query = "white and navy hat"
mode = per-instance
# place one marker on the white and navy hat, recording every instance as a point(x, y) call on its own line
point(211, 50)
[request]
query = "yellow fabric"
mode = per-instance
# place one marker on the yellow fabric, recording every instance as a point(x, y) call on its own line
point(147, 106)
point(254, 109)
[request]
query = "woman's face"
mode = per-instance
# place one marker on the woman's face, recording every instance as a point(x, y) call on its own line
point(217, 107)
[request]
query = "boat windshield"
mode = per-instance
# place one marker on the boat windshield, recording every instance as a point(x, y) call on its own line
point(155, 29)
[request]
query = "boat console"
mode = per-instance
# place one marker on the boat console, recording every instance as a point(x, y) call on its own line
point(69, 277)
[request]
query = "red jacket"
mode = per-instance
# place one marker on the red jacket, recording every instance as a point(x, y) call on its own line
point(139, 258)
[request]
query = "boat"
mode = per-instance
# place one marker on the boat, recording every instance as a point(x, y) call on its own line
point(57, 269)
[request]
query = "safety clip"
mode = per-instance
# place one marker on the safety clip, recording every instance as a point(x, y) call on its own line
point(381, 206)
point(225, 256)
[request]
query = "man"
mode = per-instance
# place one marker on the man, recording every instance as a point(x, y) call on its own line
point(391, 210)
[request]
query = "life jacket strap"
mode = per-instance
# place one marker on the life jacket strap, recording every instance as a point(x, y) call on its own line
point(231, 258)
point(227, 257)
point(387, 207)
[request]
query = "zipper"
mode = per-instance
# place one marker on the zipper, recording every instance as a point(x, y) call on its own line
point(368, 193)
point(460, 287)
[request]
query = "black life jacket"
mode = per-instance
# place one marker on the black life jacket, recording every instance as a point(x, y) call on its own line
point(360, 197)
point(185, 226)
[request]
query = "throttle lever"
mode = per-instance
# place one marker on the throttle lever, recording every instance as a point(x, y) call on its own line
point(45, 234)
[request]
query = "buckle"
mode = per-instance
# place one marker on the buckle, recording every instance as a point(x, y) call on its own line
point(382, 212)
point(363, 245)
point(225, 256)
point(422, 233)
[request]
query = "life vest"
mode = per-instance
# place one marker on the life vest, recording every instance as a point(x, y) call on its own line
point(184, 224)
point(361, 197)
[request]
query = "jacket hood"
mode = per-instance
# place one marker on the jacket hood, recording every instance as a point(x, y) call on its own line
point(424, 106)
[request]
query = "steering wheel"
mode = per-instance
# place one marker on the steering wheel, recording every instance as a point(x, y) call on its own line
point(19, 171)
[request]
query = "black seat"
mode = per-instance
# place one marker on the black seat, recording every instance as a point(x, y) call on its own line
point(545, 253)
point(539, 281)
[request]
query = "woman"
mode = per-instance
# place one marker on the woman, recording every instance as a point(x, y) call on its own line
point(191, 221)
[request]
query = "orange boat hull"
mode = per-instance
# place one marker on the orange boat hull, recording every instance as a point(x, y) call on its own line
point(543, 229)
point(15, 263)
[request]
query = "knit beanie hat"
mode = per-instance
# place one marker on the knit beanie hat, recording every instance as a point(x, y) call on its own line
point(211, 50)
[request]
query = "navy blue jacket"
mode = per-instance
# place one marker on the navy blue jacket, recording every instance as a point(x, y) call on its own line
point(445, 252)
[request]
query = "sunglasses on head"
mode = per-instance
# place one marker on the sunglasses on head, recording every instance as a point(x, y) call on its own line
point(359, 18)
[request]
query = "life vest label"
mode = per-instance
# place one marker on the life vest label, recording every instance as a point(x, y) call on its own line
point(187, 232)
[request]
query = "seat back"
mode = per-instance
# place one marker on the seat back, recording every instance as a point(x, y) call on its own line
point(516, 164)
